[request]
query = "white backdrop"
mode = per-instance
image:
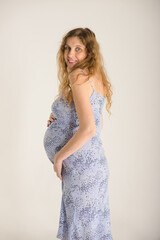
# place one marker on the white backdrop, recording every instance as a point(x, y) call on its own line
point(30, 35)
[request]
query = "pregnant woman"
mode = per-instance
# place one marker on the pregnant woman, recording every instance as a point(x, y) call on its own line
point(72, 140)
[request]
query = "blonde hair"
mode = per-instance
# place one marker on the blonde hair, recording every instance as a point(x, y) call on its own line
point(93, 62)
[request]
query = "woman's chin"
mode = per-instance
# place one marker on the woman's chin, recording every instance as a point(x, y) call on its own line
point(70, 66)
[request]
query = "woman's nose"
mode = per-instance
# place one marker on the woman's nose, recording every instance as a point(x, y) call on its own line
point(71, 53)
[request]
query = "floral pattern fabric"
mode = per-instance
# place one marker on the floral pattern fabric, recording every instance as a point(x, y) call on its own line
point(85, 211)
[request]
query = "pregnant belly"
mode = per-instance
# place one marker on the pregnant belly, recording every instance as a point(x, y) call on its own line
point(53, 140)
point(56, 136)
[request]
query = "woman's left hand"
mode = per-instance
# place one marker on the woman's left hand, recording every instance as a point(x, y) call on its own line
point(58, 166)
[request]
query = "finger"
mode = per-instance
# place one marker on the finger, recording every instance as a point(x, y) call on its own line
point(59, 176)
point(51, 115)
point(51, 119)
point(48, 123)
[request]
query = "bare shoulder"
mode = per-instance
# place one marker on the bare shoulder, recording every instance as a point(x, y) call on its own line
point(97, 82)
point(82, 102)
point(77, 77)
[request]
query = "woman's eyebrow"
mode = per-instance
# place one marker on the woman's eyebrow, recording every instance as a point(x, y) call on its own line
point(75, 46)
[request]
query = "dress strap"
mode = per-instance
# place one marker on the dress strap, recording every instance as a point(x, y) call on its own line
point(89, 79)
point(81, 70)
point(91, 84)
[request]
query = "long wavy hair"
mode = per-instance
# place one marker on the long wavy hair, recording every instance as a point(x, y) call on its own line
point(93, 62)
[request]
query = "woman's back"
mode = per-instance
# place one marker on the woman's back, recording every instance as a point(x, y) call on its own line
point(67, 122)
point(97, 83)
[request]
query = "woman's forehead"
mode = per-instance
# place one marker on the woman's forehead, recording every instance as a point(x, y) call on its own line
point(75, 41)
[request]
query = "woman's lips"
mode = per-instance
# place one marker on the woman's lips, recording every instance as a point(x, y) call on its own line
point(71, 62)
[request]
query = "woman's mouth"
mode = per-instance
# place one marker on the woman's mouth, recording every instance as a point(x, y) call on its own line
point(71, 62)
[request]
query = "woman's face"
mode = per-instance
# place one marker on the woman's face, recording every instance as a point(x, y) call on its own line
point(74, 51)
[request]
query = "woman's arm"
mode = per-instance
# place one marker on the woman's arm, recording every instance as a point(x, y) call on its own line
point(87, 126)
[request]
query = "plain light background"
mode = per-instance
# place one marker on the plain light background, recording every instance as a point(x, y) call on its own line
point(129, 37)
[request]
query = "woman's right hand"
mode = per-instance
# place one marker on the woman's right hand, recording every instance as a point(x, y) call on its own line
point(51, 119)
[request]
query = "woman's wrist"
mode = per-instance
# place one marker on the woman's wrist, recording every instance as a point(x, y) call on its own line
point(57, 157)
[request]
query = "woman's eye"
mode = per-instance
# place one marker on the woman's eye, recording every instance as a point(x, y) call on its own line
point(66, 47)
point(79, 49)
